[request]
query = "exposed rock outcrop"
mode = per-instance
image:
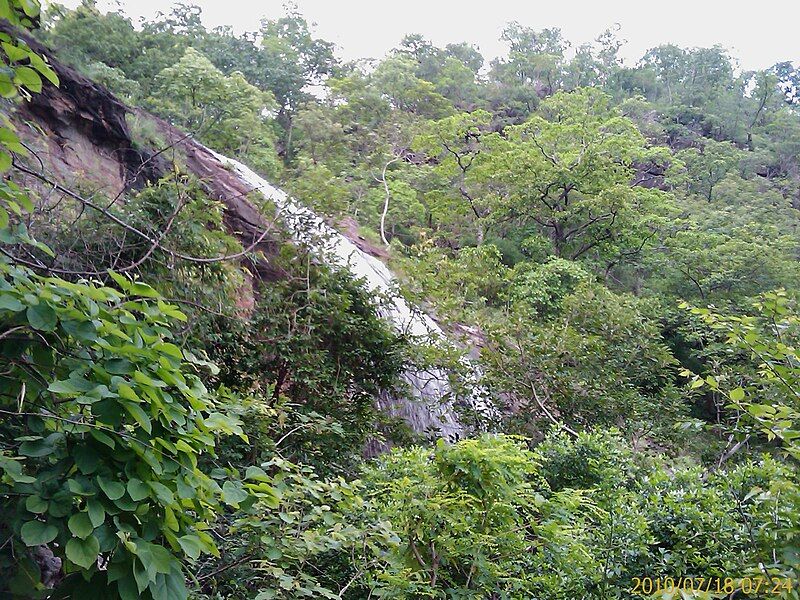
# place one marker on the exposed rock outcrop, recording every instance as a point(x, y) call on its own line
point(87, 142)
point(85, 129)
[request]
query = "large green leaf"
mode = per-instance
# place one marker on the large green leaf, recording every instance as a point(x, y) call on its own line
point(138, 414)
point(169, 587)
point(80, 525)
point(29, 78)
point(97, 513)
point(42, 317)
point(162, 559)
point(233, 493)
point(9, 302)
point(36, 533)
point(83, 552)
point(70, 386)
point(138, 490)
point(40, 447)
point(36, 504)
point(191, 545)
point(113, 489)
point(87, 458)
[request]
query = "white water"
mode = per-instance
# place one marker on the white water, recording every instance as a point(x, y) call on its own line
point(430, 410)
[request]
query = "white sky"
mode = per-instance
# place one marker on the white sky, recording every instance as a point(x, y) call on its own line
point(759, 34)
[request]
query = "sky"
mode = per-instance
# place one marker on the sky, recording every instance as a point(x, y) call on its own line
point(758, 33)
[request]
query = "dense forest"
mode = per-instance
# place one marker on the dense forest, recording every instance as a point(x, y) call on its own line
point(612, 249)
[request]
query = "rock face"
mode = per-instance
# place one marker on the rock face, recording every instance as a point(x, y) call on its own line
point(427, 404)
point(88, 141)
point(85, 128)
point(243, 218)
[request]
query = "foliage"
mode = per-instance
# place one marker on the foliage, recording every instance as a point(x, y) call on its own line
point(317, 340)
point(708, 166)
point(227, 111)
point(541, 288)
point(460, 285)
point(598, 459)
point(555, 206)
point(104, 423)
point(599, 360)
point(101, 451)
point(765, 401)
point(466, 517)
point(569, 172)
point(23, 74)
point(407, 92)
point(291, 518)
point(657, 522)
point(295, 58)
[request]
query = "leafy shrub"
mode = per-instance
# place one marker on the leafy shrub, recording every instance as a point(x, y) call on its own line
point(105, 420)
point(540, 289)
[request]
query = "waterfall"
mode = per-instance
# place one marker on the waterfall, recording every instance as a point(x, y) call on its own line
point(430, 410)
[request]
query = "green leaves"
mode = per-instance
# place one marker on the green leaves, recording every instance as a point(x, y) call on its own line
point(102, 408)
point(9, 303)
point(191, 545)
point(42, 317)
point(83, 552)
point(14, 52)
point(138, 490)
point(119, 411)
point(36, 505)
point(768, 405)
point(16, 78)
point(25, 76)
point(138, 414)
point(80, 525)
point(97, 514)
point(35, 533)
point(472, 490)
point(35, 446)
point(114, 490)
point(233, 493)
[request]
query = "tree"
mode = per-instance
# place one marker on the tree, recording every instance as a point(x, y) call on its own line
point(569, 169)
point(196, 87)
point(709, 165)
point(104, 423)
point(86, 36)
point(690, 76)
point(467, 54)
point(532, 70)
point(467, 518)
point(320, 137)
point(103, 416)
point(452, 70)
point(396, 78)
point(535, 56)
point(292, 59)
point(763, 401)
point(458, 143)
point(788, 80)
point(572, 354)
point(767, 401)
point(456, 82)
point(227, 112)
point(712, 265)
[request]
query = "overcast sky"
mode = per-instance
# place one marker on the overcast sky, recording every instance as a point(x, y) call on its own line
point(758, 33)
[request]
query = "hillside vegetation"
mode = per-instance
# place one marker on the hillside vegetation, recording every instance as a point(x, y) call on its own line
point(188, 409)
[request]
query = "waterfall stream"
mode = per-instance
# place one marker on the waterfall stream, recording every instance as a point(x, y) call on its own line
point(429, 408)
